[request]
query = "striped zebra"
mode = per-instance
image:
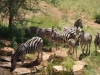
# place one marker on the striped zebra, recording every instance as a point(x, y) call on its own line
point(77, 26)
point(62, 37)
point(85, 40)
point(31, 46)
point(97, 42)
point(46, 33)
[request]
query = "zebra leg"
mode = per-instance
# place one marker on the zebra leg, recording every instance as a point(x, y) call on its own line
point(22, 60)
point(87, 48)
point(76, 51)
point(50, 49)
point(83, 47)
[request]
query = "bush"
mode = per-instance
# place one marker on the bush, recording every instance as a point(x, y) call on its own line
point(97, 18)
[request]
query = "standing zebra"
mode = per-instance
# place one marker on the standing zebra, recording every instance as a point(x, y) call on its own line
point(73, 44)
point(47, 34)
point(62, 37)
point(97, 41)
point(77, 26)
point(85, 40)
point(32, 45)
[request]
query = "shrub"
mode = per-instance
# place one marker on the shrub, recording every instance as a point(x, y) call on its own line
point(97, 18)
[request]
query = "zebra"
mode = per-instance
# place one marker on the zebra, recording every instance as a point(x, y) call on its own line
point(85, 40)
point(44, 33)
point(62, 37)
point(97, 41)
point(31, 46)
point(73, 44)
point(77, 26)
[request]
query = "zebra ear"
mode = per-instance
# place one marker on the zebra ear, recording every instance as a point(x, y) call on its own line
point(80, 20)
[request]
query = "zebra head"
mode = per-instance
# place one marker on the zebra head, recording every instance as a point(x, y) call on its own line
point(14, 58)
point(98, 38)
point(13, 63)
point(81, 35)
point(78, 23)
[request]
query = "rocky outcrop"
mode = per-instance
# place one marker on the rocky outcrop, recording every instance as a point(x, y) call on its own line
point(78, 68)
point(6, 51)
point(5, 43)
point(59, 70)
point(60, 54)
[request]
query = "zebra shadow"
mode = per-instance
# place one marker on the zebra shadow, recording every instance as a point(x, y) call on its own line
point(31, 64)
point(83, 55)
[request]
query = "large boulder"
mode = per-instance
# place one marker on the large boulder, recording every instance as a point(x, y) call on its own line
point(24, 71)
point(5, 43)
point(60, 54)
point(78, 68)
point(6, 51)
point(59, 70)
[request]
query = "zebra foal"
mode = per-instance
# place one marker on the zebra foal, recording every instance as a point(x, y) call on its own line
point(97, 41)
point(62, 37)
point(85, 40)
point(73, 44)
point(31, 46)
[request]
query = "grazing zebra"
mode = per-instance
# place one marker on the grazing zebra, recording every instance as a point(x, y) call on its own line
point(32, 45)
point(77, 26)
point(45, 33)
point(85, 40)
point(73, 44)
point(62, 37)
point(97, 41)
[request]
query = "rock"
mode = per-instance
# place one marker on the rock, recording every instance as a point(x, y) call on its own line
point(59, 69)
point(98, 51)
point(5, 58)
point(45, 57)
point(60, 54)
point(5, 42)
point(81, 63)
point(6, 51)
point(78, 69)
point(39, 67)
point(5, 64)
point(23, 71)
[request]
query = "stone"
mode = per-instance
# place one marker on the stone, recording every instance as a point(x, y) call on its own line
point(5, 58)
point(98, 51)
point(5, 42)
point(6, 51)
point(78, 69)
point(81, 63)
point(45, 56)
point(39, 67)
point(60, 54)
point(5, 64)
point(23, 71)
point(59, 69)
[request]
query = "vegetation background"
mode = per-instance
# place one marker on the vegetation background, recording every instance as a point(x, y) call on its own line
point(16, 16)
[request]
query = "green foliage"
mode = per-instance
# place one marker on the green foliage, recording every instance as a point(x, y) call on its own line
point(14, 43)
point(44, 21)
point(4, 32)
point(69, 62)
point(49, 68)
point(89, 71)
point(97, 18)
point(81, 8)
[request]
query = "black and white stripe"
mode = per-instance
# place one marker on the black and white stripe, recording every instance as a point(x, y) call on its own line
point(62, 37)
point(31, 46)
point(77, 26)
